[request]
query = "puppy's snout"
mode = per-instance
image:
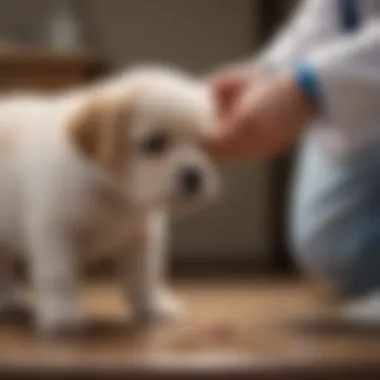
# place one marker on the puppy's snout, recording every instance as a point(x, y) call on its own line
point(191, 181)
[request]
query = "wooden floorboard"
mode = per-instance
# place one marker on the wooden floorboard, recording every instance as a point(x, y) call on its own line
point(234, 329)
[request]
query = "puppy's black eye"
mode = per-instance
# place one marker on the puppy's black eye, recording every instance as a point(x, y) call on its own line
point(156, 144)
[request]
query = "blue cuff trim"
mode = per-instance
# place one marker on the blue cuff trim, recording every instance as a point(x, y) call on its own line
point(308, 82)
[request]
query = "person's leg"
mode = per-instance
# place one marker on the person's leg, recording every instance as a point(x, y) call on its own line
point(335, 218)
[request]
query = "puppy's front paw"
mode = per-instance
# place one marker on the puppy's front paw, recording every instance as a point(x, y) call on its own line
point(162, 308)
point(60, 323)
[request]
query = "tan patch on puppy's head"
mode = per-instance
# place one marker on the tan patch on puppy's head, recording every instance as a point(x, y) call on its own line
point(98, 132)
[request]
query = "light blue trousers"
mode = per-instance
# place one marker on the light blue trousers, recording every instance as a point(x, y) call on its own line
point(335, 217)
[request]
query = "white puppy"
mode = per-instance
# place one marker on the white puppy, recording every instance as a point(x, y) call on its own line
point(96, 171)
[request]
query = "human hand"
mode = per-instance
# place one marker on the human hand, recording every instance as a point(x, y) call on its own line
point(265, 119)
point(228, 85)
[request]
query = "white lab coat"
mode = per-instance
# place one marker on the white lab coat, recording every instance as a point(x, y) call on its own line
point(346, 66)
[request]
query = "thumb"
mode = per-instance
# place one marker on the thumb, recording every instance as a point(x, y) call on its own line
point(226, 90)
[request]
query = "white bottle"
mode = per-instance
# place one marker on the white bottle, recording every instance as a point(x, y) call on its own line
point(64, 30)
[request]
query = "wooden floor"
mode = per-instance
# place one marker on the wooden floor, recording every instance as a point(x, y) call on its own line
point(267, 329)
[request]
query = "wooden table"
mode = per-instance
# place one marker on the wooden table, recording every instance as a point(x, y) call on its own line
point(238, 330)
point(35, 69)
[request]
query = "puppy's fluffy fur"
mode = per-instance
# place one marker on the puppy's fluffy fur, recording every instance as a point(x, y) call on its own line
point(96, 171)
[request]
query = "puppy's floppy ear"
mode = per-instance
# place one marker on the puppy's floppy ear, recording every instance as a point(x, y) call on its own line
point(98, 131)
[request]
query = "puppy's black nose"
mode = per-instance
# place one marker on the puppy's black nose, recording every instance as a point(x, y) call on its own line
point(191, 181)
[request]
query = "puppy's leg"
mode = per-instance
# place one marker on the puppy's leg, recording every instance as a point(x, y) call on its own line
point(144, 272)
point(53, 259)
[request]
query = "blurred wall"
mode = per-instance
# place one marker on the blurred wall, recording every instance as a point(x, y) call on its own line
point(198, 35)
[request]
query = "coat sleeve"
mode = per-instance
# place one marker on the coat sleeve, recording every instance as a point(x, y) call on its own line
point(314, 23)
point(343, 77)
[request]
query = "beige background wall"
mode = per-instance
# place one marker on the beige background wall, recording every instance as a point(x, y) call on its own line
point(198, 35)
